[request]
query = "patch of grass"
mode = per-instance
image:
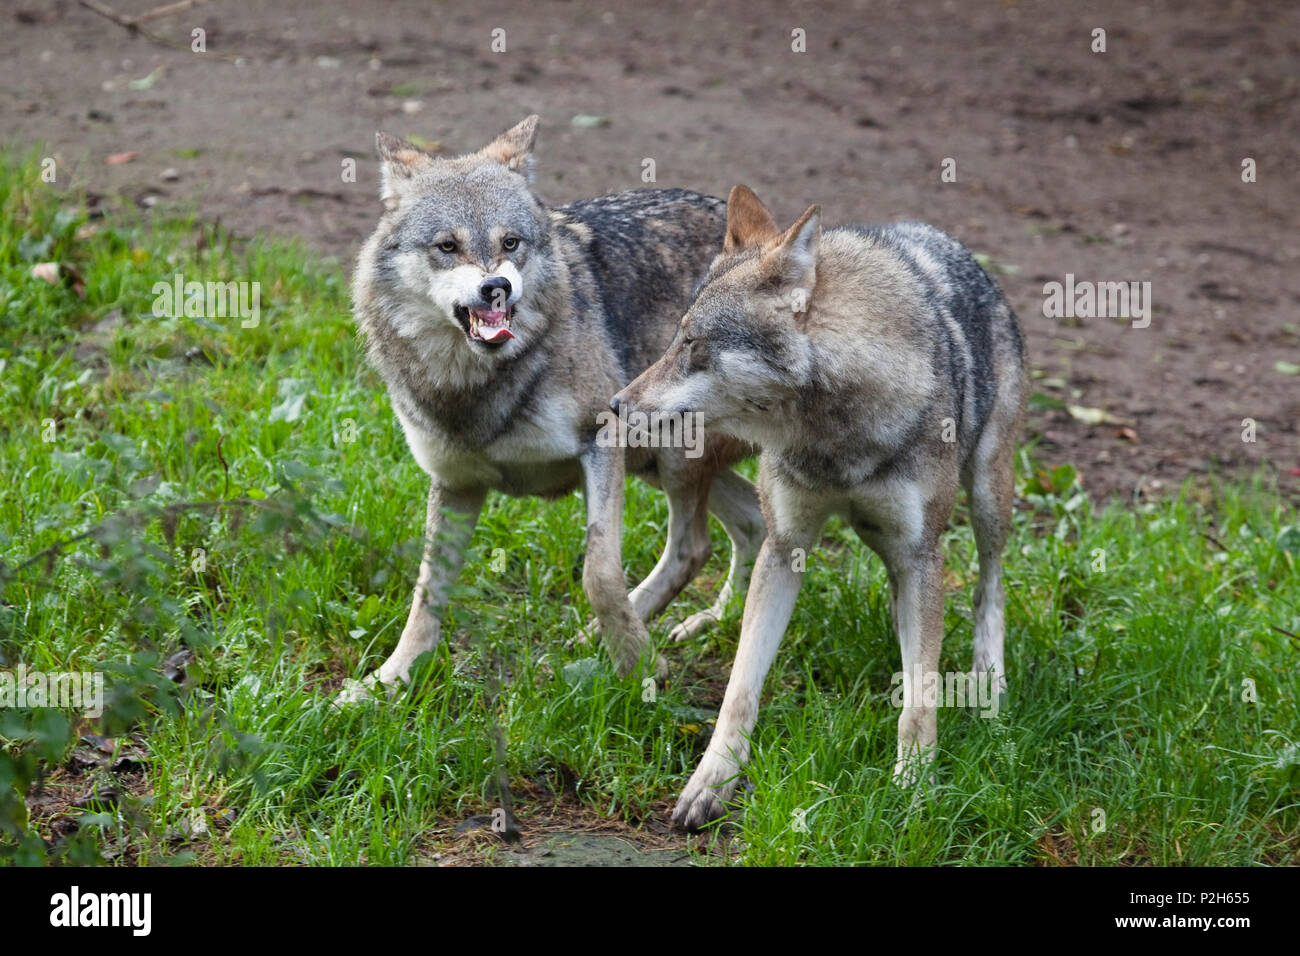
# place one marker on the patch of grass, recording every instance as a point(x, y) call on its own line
point(406, 90)
point(1151, 716)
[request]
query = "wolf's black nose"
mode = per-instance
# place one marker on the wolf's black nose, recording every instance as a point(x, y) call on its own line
point(494, 286)
point(615, 404)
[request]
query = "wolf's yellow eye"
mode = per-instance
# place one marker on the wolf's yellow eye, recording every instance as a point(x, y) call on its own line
point(448, 246)
point(510, 243)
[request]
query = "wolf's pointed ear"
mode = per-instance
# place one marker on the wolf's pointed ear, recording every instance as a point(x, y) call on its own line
point(401, 161)
point(748, 221)
point(792, 258)
point(514, 148)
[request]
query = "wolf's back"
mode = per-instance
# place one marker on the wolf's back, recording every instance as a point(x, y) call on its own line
point(635, 259)
point(980, 336)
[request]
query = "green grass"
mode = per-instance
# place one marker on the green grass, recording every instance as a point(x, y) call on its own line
point(1127, 683)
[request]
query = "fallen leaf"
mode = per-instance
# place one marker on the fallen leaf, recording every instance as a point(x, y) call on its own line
point(1287, 368)
point(83, 758)
point(102, 744)
point(1091, 416)
point(127, 763)
point(117, 159)
point(479, 821)
point(56, 272)
point(146, 82)
point(64, 825)
point(1128, 433)
point(99, 796)
point(47, 271)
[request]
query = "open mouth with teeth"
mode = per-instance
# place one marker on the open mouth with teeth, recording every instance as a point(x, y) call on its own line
point(489, 326)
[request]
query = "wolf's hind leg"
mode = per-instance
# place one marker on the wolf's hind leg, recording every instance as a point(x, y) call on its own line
point(733, 499)
point(685, 552)
point(991, 488)
point(916, 580)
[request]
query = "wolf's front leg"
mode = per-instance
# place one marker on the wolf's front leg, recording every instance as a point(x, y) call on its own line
point(449, 524)
point(772, 592)
point(622, 631)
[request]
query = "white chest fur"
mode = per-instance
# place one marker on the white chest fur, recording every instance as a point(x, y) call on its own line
point(536, 454)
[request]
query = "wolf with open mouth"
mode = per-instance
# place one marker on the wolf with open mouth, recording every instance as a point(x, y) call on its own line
point(501, 328)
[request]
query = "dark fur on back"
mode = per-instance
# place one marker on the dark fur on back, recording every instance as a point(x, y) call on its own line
point(967, 294)
point(639, 251)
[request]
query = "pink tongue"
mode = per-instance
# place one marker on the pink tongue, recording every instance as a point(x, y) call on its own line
point(491, 333)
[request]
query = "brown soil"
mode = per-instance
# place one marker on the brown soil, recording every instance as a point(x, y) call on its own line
point(1115, 166)
point(559, 830)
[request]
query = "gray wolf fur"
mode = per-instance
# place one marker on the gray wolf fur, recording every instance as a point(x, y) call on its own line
point(878, 369)
point(501, 328)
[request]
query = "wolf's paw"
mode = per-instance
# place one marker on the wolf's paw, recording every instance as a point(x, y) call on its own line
point(909, 771)
point(355, 691)
point(371, 688)
point(585, 636)
point(705, 797)
point(656, 667)
point(905, 774)
point(979, 675)
point(697, 808)
point(693, 626)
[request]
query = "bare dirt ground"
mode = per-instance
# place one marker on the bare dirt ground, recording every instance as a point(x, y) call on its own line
point(1112, 167)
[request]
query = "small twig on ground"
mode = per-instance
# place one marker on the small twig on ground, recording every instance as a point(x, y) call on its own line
point(1280, 630)
point(225, 490)
point(1213, 540)
point(167, 8)
point(132, 24)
